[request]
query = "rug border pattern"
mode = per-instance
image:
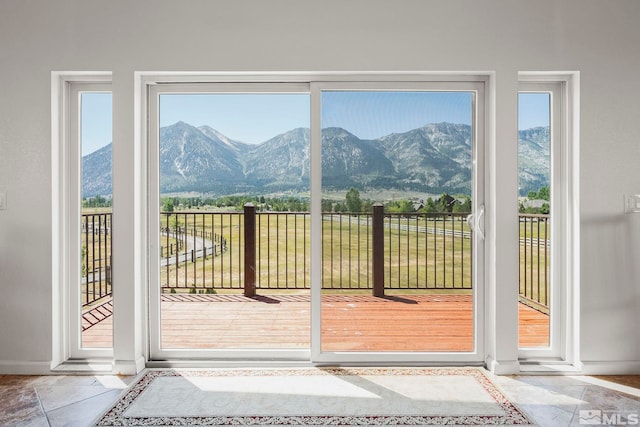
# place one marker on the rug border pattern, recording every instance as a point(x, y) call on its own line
point(115, 415)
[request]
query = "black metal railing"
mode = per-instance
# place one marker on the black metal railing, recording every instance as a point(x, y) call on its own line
point(282, 250)
point(96, 257)
point(415, 251)
point(192, 245)
point(202, 252)
point(410, 251)
point(535, 245)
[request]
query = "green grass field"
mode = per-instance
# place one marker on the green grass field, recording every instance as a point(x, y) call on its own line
point(414, 259)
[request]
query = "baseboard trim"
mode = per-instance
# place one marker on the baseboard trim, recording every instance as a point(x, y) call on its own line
point(133, 367)
point(622, 367)
point(19, 367)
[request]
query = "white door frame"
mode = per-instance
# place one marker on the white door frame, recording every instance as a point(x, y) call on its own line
point(67, 214)
point(562, 310)
point(154, 84)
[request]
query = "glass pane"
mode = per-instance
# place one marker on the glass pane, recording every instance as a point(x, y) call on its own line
point(396, 249)
point(234, 221)
point(96, 232)
point(534, 170)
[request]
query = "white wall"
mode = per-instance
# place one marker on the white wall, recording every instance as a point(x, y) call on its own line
point(599, 39)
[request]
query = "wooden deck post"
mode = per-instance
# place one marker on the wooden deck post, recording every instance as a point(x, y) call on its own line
point(377, 236)
point(249, 250)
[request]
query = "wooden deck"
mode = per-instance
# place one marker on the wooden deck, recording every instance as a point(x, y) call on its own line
point(349, 323)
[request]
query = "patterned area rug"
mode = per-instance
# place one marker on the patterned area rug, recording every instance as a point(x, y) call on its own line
point(313, 397)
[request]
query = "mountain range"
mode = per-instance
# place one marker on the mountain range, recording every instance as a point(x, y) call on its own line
point(433, 159)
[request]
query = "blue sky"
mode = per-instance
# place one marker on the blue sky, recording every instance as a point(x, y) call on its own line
point(370, 115)
point(533, 110)
point(250, 118)
point(96, 121)
point(255, 118)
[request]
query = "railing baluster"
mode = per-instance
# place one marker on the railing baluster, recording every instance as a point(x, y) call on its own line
point(426, 249)
point(295, 251)
point(461, 243)
point(368, 239)
point(351, 252)
point(95, 258)
point(249, 250)
point(435, 253)
point(204, 251)
point(453, 251)
point(167, 268)
point(534, 260)
point(183, 236)
point(408, 224)
point(444, 251)
point(417, 257)
point(259, 251)
point(538, 256)
point(378, 250)
point(277, 247)
point(531, 256)
point(546, 263)
point(84, 297)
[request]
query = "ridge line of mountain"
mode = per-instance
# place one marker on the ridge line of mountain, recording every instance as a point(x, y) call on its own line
point(433, 159)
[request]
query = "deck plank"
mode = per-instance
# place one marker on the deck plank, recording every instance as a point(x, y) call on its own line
point(349, 323)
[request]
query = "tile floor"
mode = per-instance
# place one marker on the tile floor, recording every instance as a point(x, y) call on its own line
point(552, 401)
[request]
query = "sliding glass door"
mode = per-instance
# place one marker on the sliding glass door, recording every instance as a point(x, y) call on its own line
point(316, 221)
point(399, 202)
point(231, 234)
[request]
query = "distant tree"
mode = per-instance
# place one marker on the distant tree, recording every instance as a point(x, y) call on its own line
point(400, 206)
point(96, 202)
point(430, 206)
point(462, 207)
point(466, 206)
point(353, 202)
point(296, 205)
point(545, 209)
point(327, 205)
point(167, 205)
point(543, 193)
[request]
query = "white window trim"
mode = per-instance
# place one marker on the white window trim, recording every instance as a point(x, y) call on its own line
point(563, 353)
point(570, 359)
point(66, 170)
